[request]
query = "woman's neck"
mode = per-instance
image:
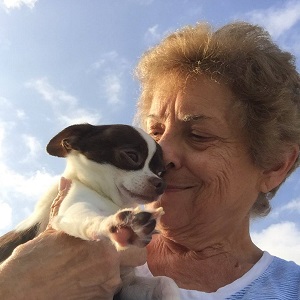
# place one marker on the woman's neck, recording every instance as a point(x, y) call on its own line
point(204, 269)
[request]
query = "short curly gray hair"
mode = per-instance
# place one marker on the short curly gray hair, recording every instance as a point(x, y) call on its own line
point(262, 77)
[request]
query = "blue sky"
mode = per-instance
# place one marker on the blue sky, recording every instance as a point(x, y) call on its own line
point(70, 61)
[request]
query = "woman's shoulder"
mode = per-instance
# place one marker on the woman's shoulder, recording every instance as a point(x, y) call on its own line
point(271, 278)
point(280, 280)
point(285, 272)
point(282, 265)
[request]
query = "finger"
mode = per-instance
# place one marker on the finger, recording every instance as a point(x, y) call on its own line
point(133, 256)
point(63, 189)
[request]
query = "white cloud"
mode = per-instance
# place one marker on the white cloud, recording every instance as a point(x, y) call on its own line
point(277, 20)
point(55, 97)
point(65, 107)
point(78, 116)
point(5, 215)
point(293, 205)
point(113, 87)
point(28, 186)
point(16, 147)
point(33, 145)
point(21, 114)
point(113, 67)
point(18, 190)
point(282, 240)
point(105, 60)
point(5, 130)
point(152, 35)
point(110, 61)
point(19, 193)
point(11, 4)
point(9, 111)
point(4, 102)
point(2, 135)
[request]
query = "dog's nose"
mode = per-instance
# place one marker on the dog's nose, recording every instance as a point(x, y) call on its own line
point(158, 183)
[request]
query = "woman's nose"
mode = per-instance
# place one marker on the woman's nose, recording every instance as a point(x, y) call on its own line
point(171, 151)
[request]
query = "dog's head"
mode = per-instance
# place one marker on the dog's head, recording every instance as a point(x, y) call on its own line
point(119, 161)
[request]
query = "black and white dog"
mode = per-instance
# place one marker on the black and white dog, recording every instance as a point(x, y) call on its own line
point(113, 168)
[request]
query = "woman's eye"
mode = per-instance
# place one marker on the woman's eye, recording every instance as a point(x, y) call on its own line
point(155, 131)
point(155, 135)
point(201, 138)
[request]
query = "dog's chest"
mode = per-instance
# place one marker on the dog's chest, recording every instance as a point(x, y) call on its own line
point(81, 197)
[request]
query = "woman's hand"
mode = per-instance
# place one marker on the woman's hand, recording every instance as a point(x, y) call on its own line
point(57, 266)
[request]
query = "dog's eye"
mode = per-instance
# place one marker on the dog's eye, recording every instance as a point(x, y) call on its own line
point(129, 158)
point(133, 156)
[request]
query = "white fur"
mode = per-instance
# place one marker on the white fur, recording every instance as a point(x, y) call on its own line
point(98, 192)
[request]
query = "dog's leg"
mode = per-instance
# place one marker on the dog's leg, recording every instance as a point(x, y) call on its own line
point(12, 239)
point(158, 288)
point(125, 227)
point(87, 215)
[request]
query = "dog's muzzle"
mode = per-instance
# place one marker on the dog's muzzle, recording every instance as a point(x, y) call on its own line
point(158, 183)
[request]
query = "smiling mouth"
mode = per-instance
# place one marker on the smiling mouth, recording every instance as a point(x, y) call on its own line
point(175, 188)
point(140, 198)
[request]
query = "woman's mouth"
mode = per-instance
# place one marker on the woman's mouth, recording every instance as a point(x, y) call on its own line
point(171, 188)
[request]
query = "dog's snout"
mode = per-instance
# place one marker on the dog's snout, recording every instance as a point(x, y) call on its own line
point(158, 183)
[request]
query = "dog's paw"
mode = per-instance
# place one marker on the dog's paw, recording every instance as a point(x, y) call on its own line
point(134, 227)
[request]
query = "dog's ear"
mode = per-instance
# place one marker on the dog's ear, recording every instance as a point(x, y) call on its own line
point(65, 141)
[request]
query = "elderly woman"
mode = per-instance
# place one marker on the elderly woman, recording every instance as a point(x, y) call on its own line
point(225, 107)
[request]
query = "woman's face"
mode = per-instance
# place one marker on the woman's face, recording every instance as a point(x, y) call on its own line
point(211, 179)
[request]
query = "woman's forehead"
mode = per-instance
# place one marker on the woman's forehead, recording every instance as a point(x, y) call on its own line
point(199, 99)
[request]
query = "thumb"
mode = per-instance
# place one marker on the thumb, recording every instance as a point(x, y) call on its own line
point(63, 189)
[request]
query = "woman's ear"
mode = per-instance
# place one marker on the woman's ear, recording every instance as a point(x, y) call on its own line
point(274, 177)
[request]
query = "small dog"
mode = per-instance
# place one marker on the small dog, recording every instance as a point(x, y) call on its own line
point(113, 168)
